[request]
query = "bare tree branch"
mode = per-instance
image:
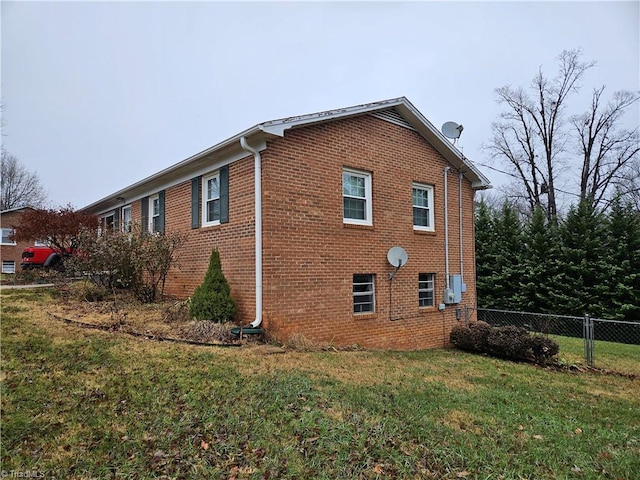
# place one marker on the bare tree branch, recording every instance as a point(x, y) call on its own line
point(18, 186)
point(532, 137)
point(609, 154)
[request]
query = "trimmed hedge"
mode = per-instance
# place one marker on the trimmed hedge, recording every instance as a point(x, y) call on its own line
point(505, 342)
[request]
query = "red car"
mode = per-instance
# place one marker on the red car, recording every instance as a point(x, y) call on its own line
point(43, 257)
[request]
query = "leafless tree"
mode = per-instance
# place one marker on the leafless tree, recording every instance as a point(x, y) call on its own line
point(610, 154)
point(531, 135)
point(19, 187)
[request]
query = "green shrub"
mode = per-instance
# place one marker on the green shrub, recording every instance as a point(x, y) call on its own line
point(212, 299)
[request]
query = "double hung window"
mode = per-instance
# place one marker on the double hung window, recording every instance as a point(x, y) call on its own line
point(126, 219)
point(211, 200)
point(356, 197)
point(6, 236)
point(423, 207)
point(154, 214)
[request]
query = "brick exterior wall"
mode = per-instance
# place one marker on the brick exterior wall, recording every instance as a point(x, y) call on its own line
point(310, 255)
point(13, 252)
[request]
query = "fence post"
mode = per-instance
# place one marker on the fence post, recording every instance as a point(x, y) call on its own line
point(588, 336)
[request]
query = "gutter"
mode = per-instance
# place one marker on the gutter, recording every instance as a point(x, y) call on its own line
point(258, 227)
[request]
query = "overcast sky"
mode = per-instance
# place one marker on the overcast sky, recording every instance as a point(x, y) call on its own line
point(97, 96)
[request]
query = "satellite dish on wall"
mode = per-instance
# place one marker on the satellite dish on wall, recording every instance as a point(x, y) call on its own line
point(452, 130)
point(397, 256)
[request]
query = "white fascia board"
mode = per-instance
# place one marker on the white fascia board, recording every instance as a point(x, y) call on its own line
point(278, 127)
point(206, 161)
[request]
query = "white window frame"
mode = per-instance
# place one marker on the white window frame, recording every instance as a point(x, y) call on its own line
point(425, 289)
point(206, 199)
point(126, 224)
point(103, 221)
point(368, 207)
point(9, 231)
point(371, 292)
point(8, 263)
point(430, 208)
point(152, 201)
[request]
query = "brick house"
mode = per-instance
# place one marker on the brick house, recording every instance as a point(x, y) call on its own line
point(304, 211)
point(11, 251)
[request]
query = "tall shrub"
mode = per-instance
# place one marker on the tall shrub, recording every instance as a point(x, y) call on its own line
point(212, 299)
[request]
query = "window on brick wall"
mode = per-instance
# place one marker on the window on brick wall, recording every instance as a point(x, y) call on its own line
point(107, 223)
point(423, 207)
point(154, 213)
point(356, 197)
point(126, 219)
point(211, 200)
point(363, 293)
point(8, 266)
point(425, 289)
point(6, 236)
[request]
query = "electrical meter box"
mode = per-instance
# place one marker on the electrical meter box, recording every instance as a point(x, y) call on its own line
point(453, 294)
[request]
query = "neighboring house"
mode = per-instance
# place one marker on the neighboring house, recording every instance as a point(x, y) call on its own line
point(11, 251)
point(304, 211)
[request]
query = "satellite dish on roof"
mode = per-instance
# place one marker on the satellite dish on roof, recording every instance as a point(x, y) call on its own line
point(397, 256)
point(452, 130)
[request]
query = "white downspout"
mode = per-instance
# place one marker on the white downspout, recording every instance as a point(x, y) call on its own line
point(446, 227)
point(258, 233)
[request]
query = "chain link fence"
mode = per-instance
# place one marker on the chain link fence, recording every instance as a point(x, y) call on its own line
point(613, 342)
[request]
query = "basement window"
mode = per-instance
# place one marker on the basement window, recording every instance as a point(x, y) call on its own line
point(8, 266)
point(363, 293)
point(425, 289)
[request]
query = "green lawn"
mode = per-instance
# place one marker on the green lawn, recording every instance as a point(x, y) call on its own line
point(618, 357)
point(80, 404)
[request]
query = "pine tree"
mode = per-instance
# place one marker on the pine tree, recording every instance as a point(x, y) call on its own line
point(212, 299)
point(540, 270)
point(623, 241)
point(498, 257)
point(485, 242)
point(586, 263)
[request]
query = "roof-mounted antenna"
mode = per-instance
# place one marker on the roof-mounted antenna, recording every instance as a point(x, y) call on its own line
point(452, 130)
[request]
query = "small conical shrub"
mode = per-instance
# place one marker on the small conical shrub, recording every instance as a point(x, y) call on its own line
point(212, 299)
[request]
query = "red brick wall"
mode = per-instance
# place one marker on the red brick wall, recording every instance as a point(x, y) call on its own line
point(234, 240)
point(310, 255)
point(13, 252)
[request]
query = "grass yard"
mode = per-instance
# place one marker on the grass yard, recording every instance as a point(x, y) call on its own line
point(619, 357)
point(81, 404)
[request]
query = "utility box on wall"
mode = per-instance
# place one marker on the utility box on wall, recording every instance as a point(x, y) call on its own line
point(453, 294)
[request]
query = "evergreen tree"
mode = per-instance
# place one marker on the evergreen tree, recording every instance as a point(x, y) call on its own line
point(500, 248)
point(623, 241)
point(586, 263)
point(212, 299)
point(540, 269)
point(485, 242)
